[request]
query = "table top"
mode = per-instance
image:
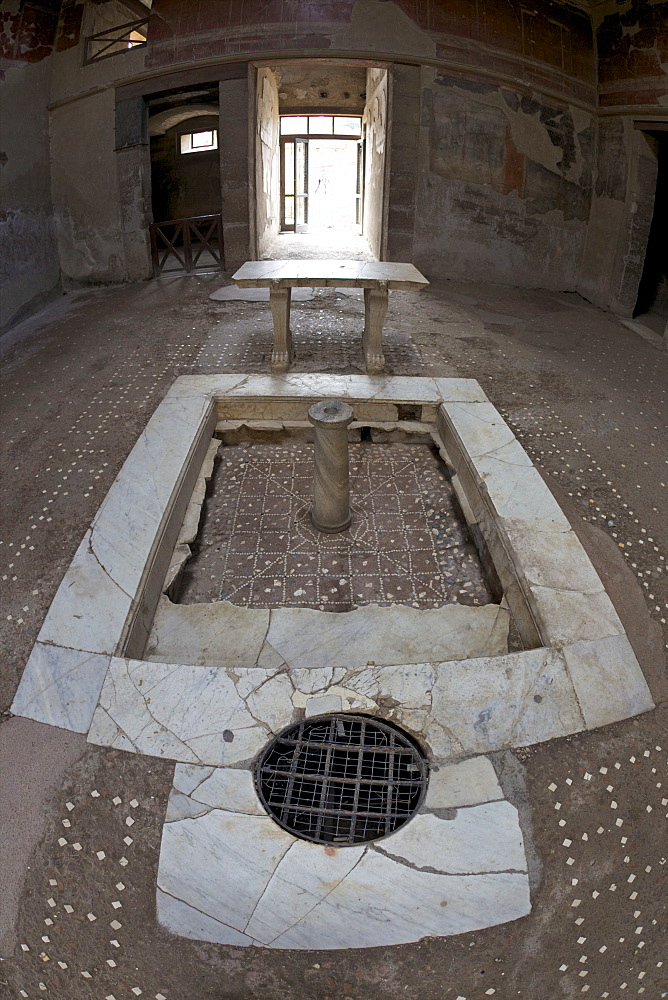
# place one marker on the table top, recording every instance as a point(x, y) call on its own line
point(328, 273)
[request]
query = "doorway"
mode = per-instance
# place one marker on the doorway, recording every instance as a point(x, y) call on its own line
point(322, 173)
point(320, 160)
point(652, 304)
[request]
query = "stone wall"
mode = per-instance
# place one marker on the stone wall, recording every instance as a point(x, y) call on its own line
point(267, 167)
point(632, 43)
point(375, 119)
point(29, 265)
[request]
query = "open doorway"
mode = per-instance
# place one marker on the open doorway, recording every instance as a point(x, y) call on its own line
point(320, 159)
point(652, 304)
point(186, 234)
point(322, 173)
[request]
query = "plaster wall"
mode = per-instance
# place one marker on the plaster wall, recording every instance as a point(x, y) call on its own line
point(632, 46)
point(86, 198)
point(29, 265)
point(376, 114)
point(302, 85)
point(71, 78)
point(237, 194)
point(267, 163)
point(494, 166)
point(504, 185)
point(622, 204)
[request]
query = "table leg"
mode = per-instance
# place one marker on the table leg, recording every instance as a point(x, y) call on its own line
point(375, 310)
point(279, 299)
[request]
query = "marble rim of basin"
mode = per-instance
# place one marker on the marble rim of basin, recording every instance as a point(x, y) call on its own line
point(227, 872)
point(101, 615)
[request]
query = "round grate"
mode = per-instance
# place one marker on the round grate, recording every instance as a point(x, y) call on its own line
point(341, 779)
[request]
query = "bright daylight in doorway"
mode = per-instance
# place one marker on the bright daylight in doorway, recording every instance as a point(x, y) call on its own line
point(322, 173)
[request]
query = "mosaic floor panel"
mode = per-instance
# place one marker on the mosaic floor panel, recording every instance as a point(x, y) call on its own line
point(407, 543)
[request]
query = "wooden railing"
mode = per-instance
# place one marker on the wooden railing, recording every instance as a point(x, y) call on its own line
point(183, 245)
point(113, 41)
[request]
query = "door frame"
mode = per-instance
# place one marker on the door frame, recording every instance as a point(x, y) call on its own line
point(283, 140)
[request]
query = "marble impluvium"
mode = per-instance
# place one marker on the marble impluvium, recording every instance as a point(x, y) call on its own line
point(208, 685)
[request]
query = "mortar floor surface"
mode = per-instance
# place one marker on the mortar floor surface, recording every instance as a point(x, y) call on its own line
point(407, 542)
point(81, 825)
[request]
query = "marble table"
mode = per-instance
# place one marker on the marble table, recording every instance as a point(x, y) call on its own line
point(281, 276)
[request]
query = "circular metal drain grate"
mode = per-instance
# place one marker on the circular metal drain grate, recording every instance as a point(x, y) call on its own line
point(341, 779)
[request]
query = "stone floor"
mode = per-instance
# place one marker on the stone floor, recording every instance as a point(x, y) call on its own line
point(586, 397)
point(257, 545)
point(328, 243)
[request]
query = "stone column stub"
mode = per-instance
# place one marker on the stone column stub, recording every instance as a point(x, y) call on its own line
point(331, 491)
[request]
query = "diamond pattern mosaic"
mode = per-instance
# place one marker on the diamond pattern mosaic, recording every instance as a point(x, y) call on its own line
point(407, 543)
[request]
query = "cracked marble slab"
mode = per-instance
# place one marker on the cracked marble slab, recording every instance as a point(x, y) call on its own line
point(103, 581)
point(194, 714)
point(233, 877)
point(555, 560)
point(479, 427)
point(209, 715)
point(483, 705)
point(221, 788)
point(386, 636)
point(409, 905)
point(399, 388)
point(518, 493)
point(220, 634)
point(468, 782)
point(608, 680)
point(180, 918)
point(482, 838)
point(566, 616)
point(60, 686)
point(221, 863)
point(226, 635)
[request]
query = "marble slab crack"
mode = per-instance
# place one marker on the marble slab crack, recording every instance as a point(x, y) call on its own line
point(122, 732)
point(320, 900)
point(203, 912)
point(439, 871)
point(156, 722)
point(102, 566)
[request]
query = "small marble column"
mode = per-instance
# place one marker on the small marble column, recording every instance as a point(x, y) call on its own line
point(375, 311)
point(279, 300)
point(331, 493)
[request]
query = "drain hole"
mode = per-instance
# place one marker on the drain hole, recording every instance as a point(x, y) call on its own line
point(341, 779)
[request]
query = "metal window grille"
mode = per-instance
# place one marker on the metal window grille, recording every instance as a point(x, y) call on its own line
point(341, 779)
point(113, 41)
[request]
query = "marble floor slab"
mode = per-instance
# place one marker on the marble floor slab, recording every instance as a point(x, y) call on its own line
point(228, 874)
point(226, 635)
